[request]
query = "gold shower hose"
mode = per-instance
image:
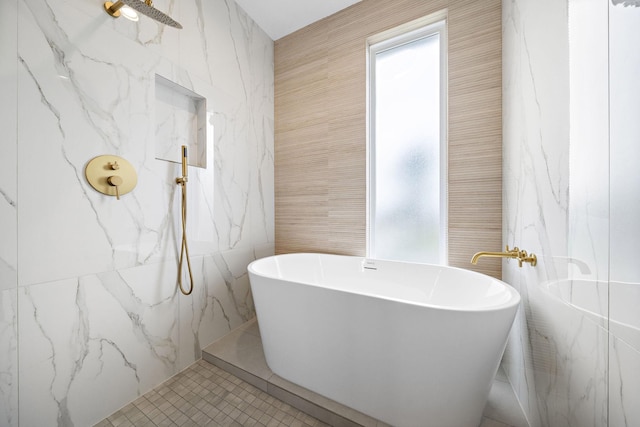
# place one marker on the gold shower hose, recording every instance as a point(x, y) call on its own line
point(184, 249)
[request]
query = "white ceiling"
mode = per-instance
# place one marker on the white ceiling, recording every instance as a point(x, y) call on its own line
point(281, 17)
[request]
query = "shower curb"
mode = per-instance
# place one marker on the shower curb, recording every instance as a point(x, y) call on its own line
point(261, 377)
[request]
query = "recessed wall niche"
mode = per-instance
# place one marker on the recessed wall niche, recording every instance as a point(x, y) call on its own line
point(180, 120)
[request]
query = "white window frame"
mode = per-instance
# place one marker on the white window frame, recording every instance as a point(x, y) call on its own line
point(406, 33)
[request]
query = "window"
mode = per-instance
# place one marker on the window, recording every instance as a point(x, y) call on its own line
point(407, 146)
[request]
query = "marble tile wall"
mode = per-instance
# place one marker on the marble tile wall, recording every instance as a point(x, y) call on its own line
point(8, 216)
point(536, 179)
point(88, 283)
point(570, 191)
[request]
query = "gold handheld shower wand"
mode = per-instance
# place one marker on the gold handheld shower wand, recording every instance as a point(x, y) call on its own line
point(184, 247)
point(183, 179)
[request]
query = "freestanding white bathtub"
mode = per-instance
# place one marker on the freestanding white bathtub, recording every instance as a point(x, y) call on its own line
point(408, 344)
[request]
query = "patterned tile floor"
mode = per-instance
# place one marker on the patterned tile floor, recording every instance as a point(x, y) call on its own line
point(205, 395)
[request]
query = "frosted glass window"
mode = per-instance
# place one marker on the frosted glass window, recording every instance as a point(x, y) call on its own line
point(406, 166)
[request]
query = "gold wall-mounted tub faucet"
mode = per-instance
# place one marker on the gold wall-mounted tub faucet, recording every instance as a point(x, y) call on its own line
point(515, 253)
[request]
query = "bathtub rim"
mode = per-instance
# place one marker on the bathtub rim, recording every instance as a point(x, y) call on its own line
point(514, 299)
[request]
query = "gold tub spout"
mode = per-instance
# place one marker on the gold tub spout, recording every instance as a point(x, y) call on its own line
point(509, 253)
point(514, 253)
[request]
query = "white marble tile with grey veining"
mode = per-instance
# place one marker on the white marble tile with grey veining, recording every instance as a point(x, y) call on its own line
point(213, 310)
point(556, 358)
point(8, 146)
point(100, 338)
point(8, 216)
point(8, 357)
point(65, 118)
point(80, 118)
point(100, 318)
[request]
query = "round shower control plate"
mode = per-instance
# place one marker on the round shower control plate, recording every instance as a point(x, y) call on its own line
point(106, 172)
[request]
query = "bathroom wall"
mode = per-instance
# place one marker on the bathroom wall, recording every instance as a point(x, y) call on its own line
point(570, 170)
point(8, 216)
point(90, 316)
point(321, 134)
point(538, 359)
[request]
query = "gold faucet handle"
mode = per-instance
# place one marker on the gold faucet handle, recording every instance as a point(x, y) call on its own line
point(523, 256)
point(115, 181)
point(531, 259)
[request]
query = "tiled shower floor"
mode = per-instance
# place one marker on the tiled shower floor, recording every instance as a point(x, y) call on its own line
point(233, 386)
point(205, 395)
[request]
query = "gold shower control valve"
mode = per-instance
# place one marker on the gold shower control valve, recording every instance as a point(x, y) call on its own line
point(111, 175)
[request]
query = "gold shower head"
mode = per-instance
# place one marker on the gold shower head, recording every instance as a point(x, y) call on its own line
point(144, 7)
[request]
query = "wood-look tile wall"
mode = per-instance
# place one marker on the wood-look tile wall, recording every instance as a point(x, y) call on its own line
point(320, 128)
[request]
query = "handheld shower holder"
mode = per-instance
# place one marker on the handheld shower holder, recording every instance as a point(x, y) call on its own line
point(183, 179)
